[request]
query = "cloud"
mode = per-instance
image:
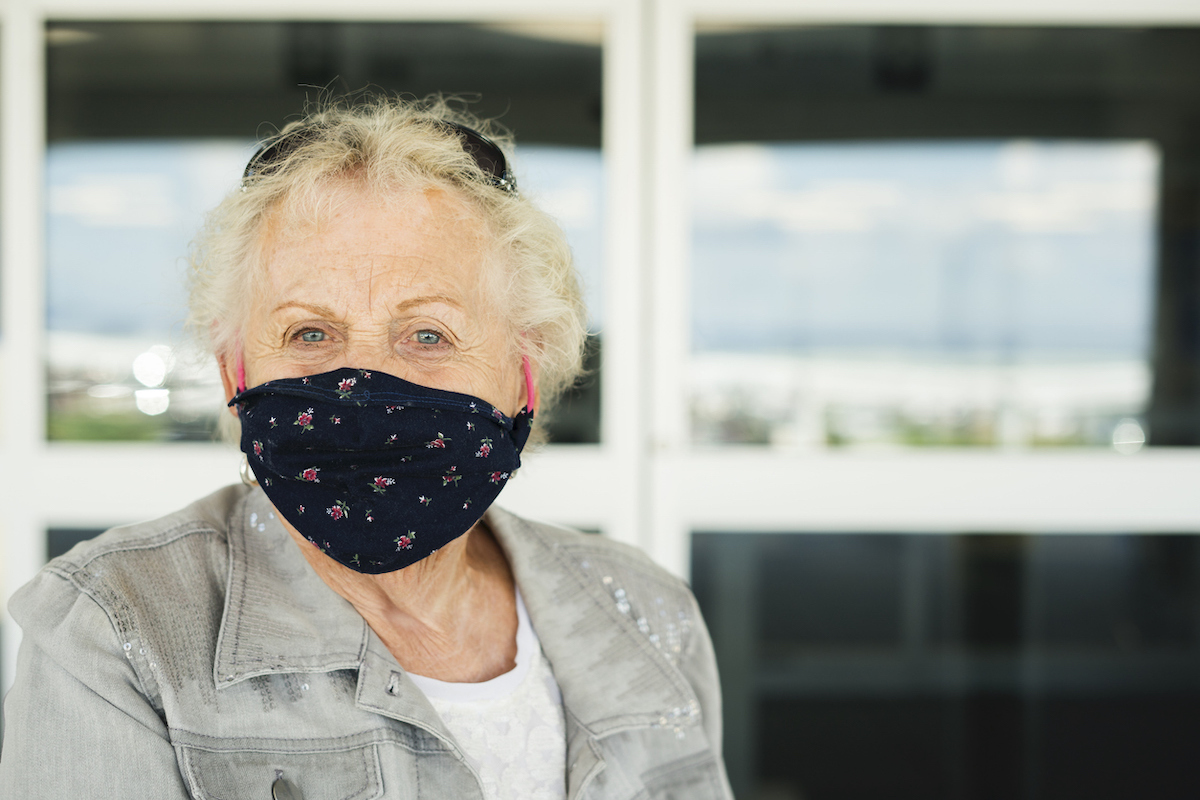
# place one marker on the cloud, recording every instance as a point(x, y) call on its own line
point(125, 200)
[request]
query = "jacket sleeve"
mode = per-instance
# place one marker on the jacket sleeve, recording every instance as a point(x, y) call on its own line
point(699, 666)
point(77, 721)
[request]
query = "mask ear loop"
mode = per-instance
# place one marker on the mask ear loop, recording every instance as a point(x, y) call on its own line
point(240, 369)
point(245, 471)
point(531, 398)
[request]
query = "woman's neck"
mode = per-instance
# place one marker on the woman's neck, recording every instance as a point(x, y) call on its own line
point(450, 616)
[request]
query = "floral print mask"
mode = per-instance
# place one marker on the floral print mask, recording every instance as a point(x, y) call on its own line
point(374, 470)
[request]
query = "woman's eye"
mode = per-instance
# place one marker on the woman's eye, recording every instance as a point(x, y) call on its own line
point(428, 337)
point(312, 336)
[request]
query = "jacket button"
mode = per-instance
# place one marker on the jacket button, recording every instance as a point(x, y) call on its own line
point(283, 789)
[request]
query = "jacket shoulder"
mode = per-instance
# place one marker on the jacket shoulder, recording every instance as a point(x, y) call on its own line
point(157, 582)
point(207, 516)
point(589, 551)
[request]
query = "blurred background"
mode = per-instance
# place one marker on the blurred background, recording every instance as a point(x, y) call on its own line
point(895, 354)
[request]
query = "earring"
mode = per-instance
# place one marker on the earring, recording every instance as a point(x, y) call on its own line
point(246, 473)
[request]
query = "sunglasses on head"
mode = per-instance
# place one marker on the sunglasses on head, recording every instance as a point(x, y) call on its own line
point(487, 154)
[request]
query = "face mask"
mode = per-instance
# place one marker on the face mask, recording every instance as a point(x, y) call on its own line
point(375, 471)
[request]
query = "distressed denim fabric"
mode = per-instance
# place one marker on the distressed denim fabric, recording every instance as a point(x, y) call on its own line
point(200, 656)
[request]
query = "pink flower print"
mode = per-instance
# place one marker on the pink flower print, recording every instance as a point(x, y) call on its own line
point(450, 477)
point(405, 542)
point(304, 380)
point(345, 385)
point(470, 425)
point(336, 420)
point(310, 475)
point(257, 447)
point(300, 509)
point(381, 483)
point(390, 409)
point(304, 420)
point(391, 439)
point(474, 409)
point(423, 500)
point(370, 515)
point(496, 477)
point(467, 504)
point(339, 510)
point(440, 441)
point(365, 374)
point(272, 422)
point(496, 413)
point(485, 449)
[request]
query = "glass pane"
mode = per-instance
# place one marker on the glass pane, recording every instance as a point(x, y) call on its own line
point(862, 665)
point(949, 293)
point(119, 217)
point(928, 236)
point(151, 123)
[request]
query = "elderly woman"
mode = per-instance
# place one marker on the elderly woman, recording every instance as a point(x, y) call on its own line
point(358, 621)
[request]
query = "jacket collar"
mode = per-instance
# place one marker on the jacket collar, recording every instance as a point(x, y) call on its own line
point(611, 676)
point(281, 617)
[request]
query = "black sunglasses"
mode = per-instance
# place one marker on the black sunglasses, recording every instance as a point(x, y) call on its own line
point(487, 154)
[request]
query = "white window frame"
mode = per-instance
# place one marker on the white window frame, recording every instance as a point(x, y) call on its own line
point(93, 485)
point(645, 483)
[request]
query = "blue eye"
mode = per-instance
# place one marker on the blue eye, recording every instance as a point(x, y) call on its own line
point(429, 337)
point(312, 336)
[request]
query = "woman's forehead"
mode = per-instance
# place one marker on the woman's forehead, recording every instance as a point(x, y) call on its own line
point(310, 212)
point(390, 246)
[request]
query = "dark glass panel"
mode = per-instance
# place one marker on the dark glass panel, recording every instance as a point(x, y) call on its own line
point(150, 124)
point(840, 300)
point(955, 666)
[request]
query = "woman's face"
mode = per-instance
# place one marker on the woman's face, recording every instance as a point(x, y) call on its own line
point(397, 287)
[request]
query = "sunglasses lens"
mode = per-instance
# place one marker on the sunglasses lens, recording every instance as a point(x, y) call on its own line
point(487, 155)
point(270, 156)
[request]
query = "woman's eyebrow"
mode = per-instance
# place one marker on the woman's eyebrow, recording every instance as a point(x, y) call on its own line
point(319, 310)
point(415, 302)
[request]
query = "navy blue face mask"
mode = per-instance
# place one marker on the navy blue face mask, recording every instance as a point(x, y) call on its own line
point(374, 470)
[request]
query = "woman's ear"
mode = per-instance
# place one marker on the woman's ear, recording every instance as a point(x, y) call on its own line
point(228, 379)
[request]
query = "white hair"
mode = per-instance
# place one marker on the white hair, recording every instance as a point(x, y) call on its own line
point(391, 147)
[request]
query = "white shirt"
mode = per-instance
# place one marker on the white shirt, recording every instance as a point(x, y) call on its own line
point(511, 728)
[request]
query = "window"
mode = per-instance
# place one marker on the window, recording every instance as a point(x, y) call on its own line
point(911, 245)
point(122, 207)
point(899, 360)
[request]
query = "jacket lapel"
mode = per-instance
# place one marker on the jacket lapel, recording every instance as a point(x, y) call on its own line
point(612, 679)
point(279, 615)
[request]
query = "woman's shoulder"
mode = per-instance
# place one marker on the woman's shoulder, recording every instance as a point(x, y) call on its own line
point(141, 549)
point(134, 570)
point(592, 552)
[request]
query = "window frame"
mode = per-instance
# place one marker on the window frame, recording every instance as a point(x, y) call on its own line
point(645, 483)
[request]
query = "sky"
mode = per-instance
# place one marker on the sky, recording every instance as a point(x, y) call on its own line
point(121, 216)
point(1007, 249)
point(1003, 249)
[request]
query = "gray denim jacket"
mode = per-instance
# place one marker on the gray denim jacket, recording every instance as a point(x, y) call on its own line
point(200, 656)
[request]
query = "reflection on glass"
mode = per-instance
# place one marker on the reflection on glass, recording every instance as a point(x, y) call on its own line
point(949, 293)
point(120, 216)
point(567, 183)
point(119, 219)
point(932, 666)
point(150, 122)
